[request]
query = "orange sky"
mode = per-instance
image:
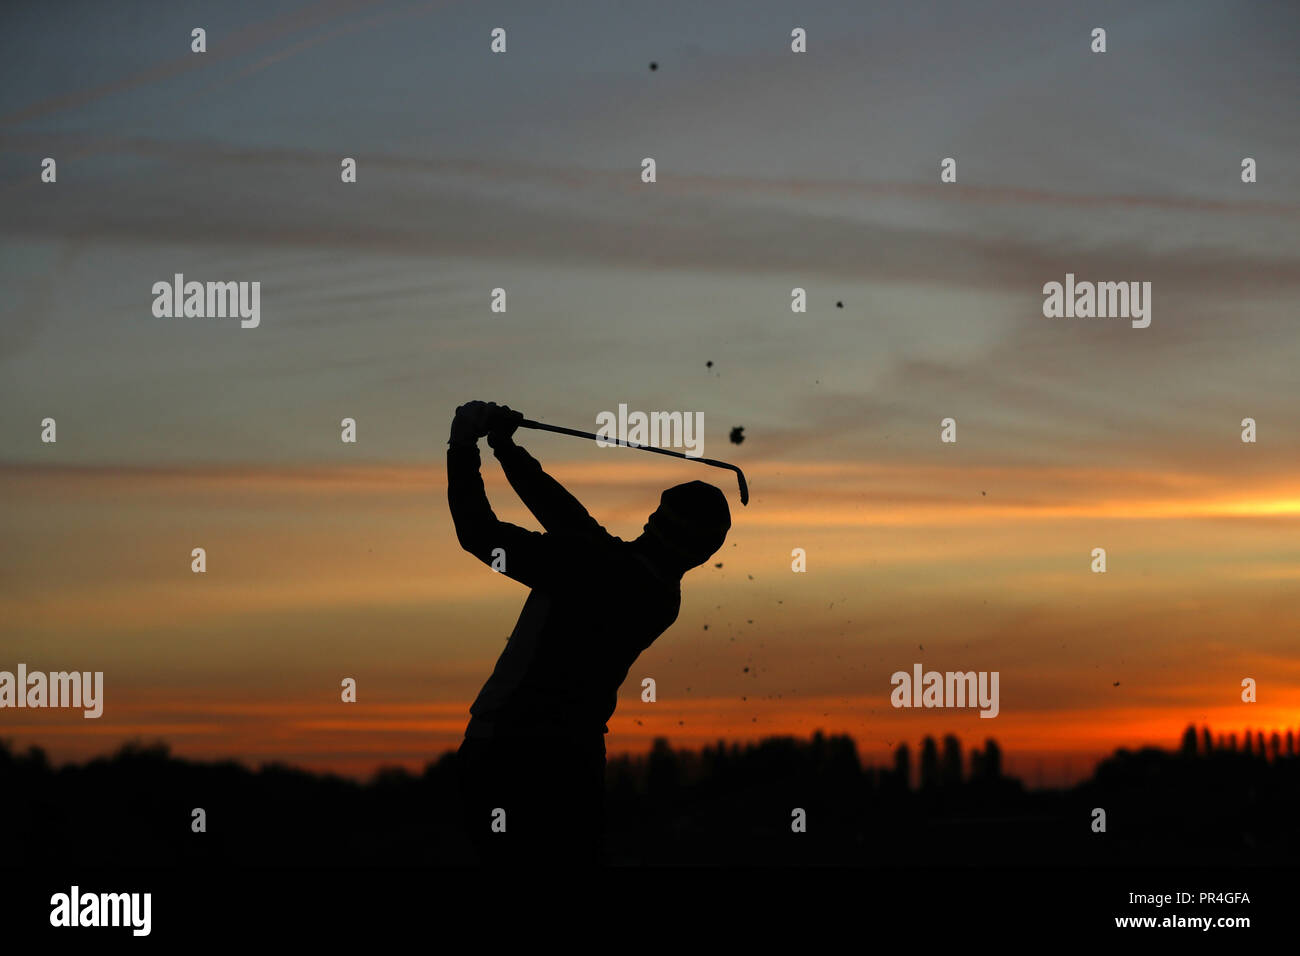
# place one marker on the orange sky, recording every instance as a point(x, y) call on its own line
point(317, 573)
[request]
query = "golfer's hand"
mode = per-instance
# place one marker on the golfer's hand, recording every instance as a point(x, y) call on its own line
point(475, 419)
point(470, 423)
point(502, 422)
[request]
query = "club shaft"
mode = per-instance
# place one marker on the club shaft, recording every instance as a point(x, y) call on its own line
point(744, 487)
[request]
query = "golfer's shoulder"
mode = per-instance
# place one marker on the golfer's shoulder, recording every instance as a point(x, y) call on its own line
point(609, 548)
point(592, 541)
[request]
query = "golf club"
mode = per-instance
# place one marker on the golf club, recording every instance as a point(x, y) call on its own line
point(740, 475)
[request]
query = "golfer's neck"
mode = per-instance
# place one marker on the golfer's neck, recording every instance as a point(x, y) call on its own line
point(662, 558)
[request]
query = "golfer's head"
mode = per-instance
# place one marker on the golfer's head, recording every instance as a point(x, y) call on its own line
point(692, 520)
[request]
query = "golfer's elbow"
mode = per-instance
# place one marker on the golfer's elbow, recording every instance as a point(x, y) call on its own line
point(473, 539)
point(471, 515)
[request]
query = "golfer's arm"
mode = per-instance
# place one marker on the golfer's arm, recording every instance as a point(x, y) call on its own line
point(526, 554)
point(546, 498)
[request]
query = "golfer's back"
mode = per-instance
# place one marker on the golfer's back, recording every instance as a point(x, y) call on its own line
point(576, 638)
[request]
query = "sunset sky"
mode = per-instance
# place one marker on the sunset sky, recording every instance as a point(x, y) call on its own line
point(775, 170)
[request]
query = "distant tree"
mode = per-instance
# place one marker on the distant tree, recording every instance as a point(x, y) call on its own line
point(1205, 741)
point(662, 770)
point(903, 766)
point(950, 769)
point(842, 763)
point(929, 763)
point(1189, 741)
point(992, 759)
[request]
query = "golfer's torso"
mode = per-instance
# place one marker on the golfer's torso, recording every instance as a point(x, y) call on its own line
point(571, 649)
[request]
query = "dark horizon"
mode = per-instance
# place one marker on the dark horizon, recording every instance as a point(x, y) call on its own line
point(671, 806)
point(1271, 742)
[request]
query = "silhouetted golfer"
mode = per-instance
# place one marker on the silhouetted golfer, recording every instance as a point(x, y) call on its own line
point(535, 743)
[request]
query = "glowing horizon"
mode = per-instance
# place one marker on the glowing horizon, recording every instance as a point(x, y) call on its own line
point(314, 576)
